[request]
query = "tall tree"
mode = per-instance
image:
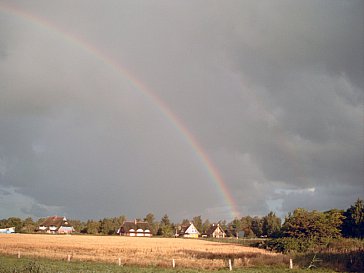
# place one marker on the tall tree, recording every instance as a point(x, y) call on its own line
point(118, 221)
point(257, 226)
point(107, 226)
point(223, 224)
point(205, 226)
point(14, 222)
point(166, 228)
point(185, 222)
point(77, 225)
point(333, 222)
point(246, 223)
point(197, 222)
point(92, 227)
point(353, 225)
point(234, 227)
point(297, 224)
point(150, 219)
point(28, 225)
point(271, 225)
point(313, 225)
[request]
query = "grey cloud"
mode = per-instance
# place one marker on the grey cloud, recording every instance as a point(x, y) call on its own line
point(272, 92)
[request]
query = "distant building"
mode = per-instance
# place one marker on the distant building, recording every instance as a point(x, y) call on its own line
point(188, 231)
point(215, 231)
point(56, 224)
point(7, 230)
point(135, 229)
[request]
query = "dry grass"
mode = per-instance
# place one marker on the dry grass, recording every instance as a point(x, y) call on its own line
point(136, 251)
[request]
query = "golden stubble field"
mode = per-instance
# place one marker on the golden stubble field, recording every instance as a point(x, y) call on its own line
point(188, 253)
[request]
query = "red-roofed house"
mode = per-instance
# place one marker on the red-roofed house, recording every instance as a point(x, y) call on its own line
point(56, 224)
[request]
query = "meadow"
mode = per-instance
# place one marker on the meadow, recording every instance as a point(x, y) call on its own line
point(141, 252)
point(40, 265)
point(43, 253)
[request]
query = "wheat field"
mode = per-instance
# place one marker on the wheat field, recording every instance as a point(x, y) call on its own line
point(187, 253)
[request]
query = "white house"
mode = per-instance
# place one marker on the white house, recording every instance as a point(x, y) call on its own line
point(189, 231)
point(7, 230)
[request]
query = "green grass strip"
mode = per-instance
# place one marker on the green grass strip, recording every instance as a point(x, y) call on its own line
point(37, 265)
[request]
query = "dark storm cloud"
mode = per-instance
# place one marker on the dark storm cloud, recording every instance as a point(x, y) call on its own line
point(272, 91)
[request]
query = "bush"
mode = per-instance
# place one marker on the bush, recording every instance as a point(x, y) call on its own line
point(290, 245)
point(344, 245)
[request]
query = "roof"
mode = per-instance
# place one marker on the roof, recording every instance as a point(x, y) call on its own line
point(212, 229)
point(128, 225)
point(184, 229)
point(57, 221)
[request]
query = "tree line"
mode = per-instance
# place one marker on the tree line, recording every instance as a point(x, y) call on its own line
point(300, 224)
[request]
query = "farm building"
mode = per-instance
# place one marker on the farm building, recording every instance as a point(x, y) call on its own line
point(7, 230)
point(188, 231)
point(135, 229)
point(56, 224)
point(215, 231)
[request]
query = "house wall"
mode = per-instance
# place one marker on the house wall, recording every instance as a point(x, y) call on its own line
point(218, 234)
point(191, 232)
point(192, 235)
point(137, 234)
point(7, 230)
point(65, 230)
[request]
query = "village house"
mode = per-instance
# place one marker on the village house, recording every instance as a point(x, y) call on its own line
point(135, 229)
point(215, 231)
point(56, 224)
point(7, 230)
point(188, 231)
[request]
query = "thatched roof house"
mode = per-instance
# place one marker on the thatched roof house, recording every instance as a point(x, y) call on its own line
point(56, 224)
point(135, 229)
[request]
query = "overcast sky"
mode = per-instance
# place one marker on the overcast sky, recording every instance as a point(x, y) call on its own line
point(271, 90)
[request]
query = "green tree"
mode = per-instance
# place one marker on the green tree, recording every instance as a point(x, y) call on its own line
point(353, 225)
point(298, 224)
point(223, 224)
point(14, 222)
point(197, 222)
point(78, 225)
point(234, 227)
point(246, 223)
point(39, 221)
point(271, 225)
point(312, 225)
point(166, 228)
point(118, 221)
point(150, 219)
point(257, 226)
point(29, 226)
point(107, 226)
point(92, 227)
point(333, 223)
point(185, 222)
point(205, 226)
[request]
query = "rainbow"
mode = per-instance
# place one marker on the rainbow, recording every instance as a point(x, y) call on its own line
point(163, 108)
